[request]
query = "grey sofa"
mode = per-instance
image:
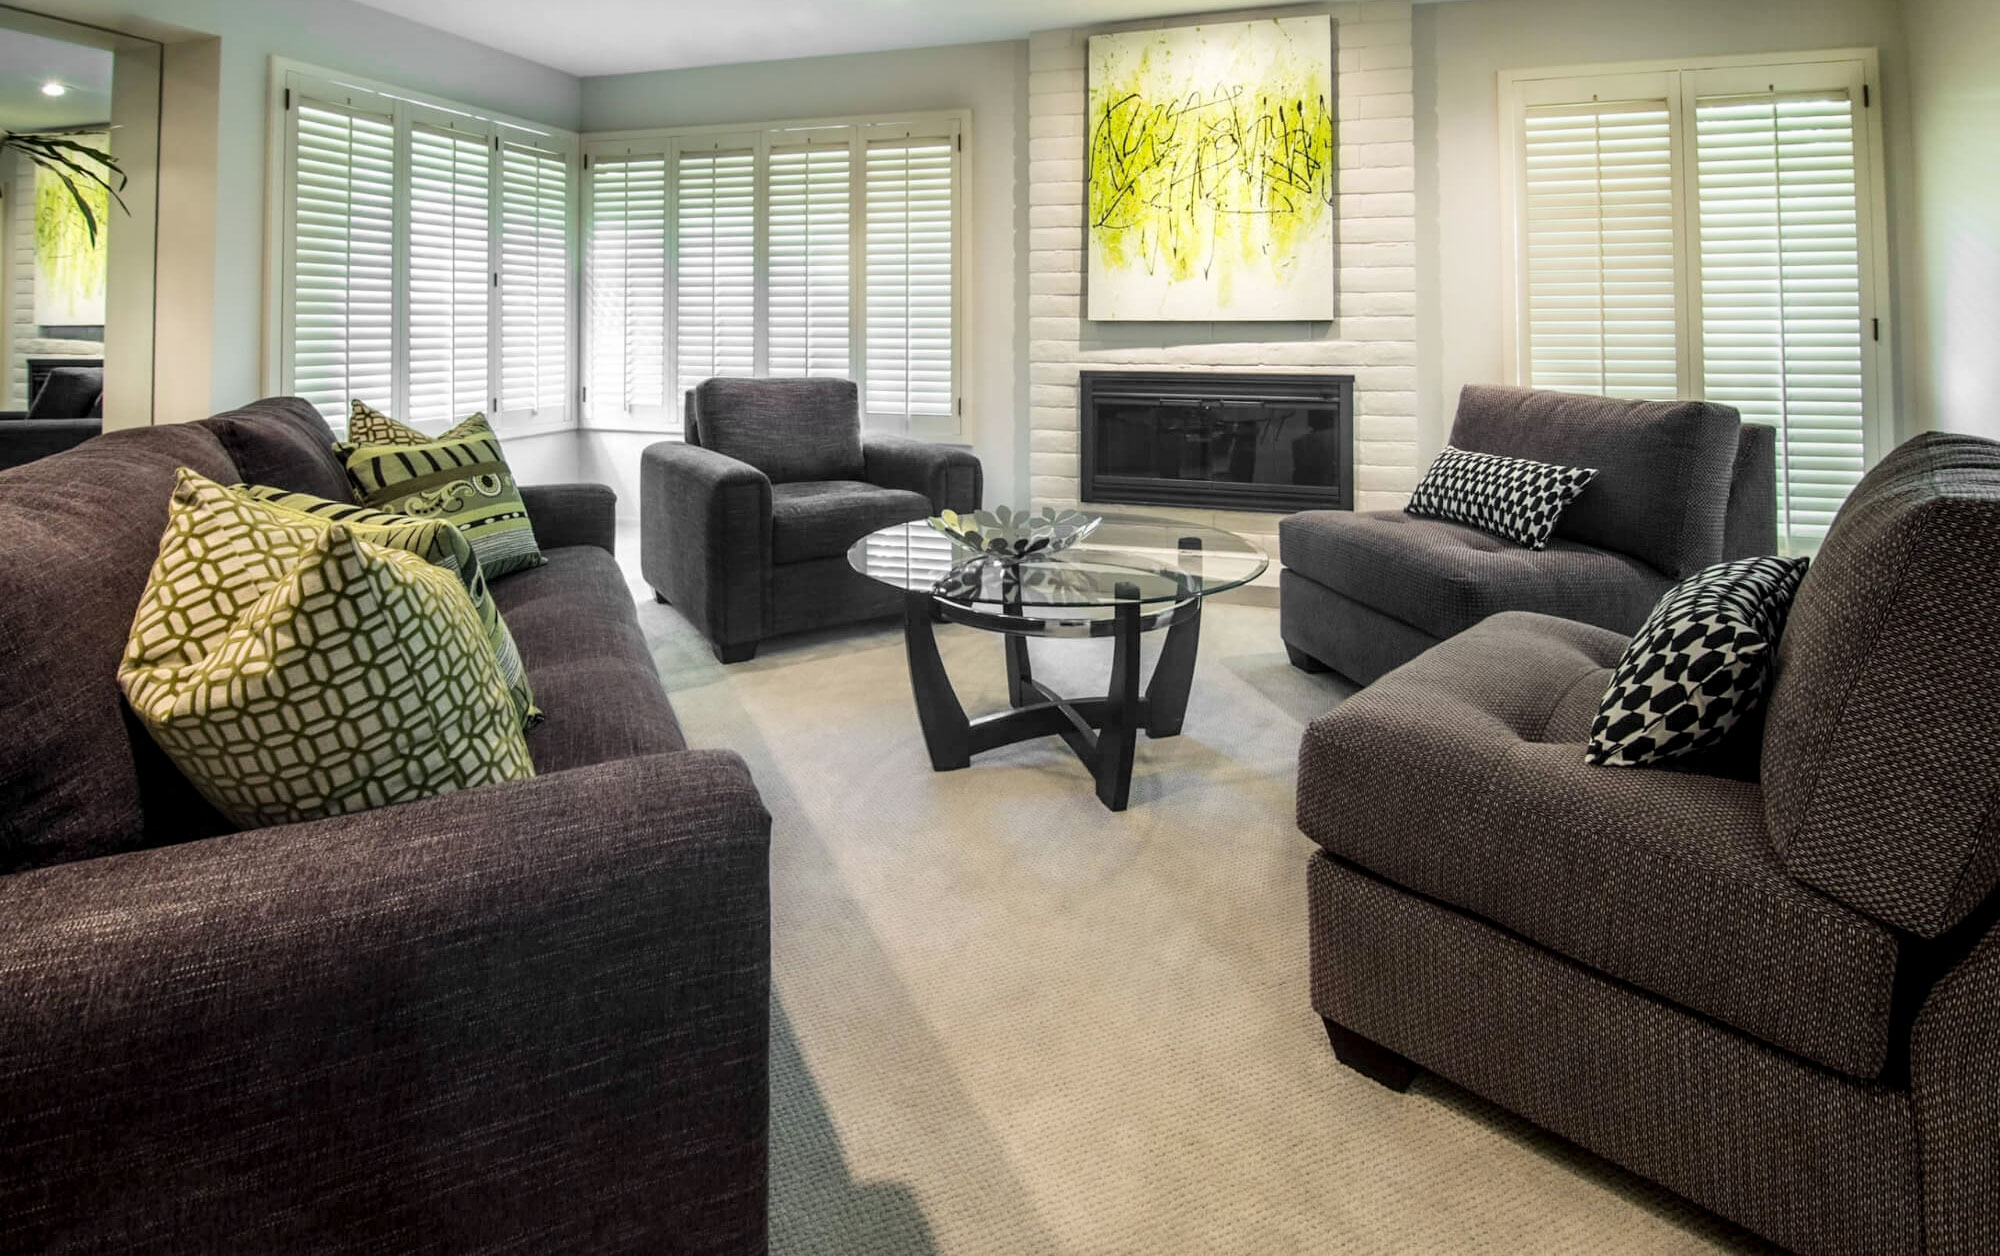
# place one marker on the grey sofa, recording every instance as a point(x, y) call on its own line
point(1770, 980)
point(530, 1016)
point(67, 411)
point(745, 526)
point(1680, 485)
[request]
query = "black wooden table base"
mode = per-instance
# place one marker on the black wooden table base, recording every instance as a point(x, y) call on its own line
point(1102, 731)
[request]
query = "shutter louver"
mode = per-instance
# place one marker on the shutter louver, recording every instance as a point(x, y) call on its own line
point(343, 258)
point(534, 282)
point(627, 270)
point(450, 273)
point(1601, 312)
point(1781, 300)
point(908, 230)
point(810, 190)
point(715, 276)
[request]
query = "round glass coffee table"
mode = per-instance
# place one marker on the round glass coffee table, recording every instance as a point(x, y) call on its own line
point(1132, 574)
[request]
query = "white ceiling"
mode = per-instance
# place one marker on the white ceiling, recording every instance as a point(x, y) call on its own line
point(28, 61)
point(590, 37)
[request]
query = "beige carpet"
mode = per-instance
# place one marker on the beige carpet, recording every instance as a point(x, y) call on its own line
point(1009, 1021)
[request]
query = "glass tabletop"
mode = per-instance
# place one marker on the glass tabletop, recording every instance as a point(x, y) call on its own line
point(1123, 558)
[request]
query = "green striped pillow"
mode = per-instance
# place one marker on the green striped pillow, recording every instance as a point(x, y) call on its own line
point(438, 543)
point(463, 480)
point(368, 426)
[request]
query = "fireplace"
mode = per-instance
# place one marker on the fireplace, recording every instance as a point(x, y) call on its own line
point(1226, 442)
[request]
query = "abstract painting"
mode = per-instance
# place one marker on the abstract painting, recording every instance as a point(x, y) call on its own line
point(1210, 175)
point(70, 267)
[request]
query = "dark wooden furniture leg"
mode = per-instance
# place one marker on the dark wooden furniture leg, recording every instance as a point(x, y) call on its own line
point(946, 730)
point(1303, 661)
point(742, 652)
point(1173, 676)
point(1119, 735)
point(1369, 1058)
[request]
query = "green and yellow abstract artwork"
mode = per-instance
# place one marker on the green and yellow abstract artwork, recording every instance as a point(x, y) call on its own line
point(69, 264)
point(1210, 172)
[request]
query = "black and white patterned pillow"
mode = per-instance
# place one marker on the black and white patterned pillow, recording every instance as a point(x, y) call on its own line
point(1513, 498)
point(1700, 663)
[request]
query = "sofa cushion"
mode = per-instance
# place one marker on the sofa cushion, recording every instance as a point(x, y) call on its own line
point(1882, 746)
point(1460, 776)
point(1663, 467)
point(790, 429)
point(78, 535)
point(1516, 499)
point(577, 626)
point(1443, 577)
point(283, 442)
point(822, 518)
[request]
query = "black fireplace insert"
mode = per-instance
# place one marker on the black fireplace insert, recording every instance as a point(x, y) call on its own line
point(1223, 441)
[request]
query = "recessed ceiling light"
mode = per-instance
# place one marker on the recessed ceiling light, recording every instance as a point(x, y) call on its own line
point(53, 88)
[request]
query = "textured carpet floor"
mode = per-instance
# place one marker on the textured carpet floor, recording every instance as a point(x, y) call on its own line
point(1009, 1021)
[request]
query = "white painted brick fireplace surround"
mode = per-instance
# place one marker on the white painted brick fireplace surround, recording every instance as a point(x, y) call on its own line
point(1374, 337)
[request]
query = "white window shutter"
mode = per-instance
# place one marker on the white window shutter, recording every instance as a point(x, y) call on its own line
point(1601, 312)
point(1781, 287)
point(715, 268)
point(909, 251)
point(342, 259)
point(626, 269)
point(534, 283)
point(810, 192)
point(450, 273)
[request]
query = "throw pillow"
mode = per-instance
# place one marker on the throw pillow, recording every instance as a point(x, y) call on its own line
point(1515, 499)
point(438, 543)
point(461, 479)
point(293, 672)
point(1699, 664)
point(368, 426)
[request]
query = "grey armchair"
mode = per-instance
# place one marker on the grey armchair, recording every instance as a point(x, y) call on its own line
point(745, 527)
point(1680, 485)
point(67, 411)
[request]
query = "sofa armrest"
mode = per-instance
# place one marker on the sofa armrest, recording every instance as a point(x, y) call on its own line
point(572, 514)
point(949, 476)
point(705, 538)
point(514, 1016)
point(1750, 528)
point(1955, 1080)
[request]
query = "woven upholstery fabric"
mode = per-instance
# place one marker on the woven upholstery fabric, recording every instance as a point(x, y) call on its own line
point(1516, 499)
point(1882, 746)
point(283, 442)
point(532, 1017)
point(825, 593)
point(572, 514)
point(463, 479)
point(594, 675)
point(1662, 489)
point(1359, 642)
point(822, 518)
point(1955, 1076)
point(1750, 527)
point(1441, 577)
point(78, 534)
point(69, 392)
point(790, 429)
point(1812, 1160)
point(1461, 776)
point(705, 538)
point(949, 477)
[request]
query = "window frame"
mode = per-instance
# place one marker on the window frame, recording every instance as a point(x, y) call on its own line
point(1684, 81)
point(670, 142)
point(290, 79)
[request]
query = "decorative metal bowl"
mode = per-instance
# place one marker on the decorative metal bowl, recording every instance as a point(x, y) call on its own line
point(1009, 536)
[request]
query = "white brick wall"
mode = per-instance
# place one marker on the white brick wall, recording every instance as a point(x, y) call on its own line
point(1374, 337)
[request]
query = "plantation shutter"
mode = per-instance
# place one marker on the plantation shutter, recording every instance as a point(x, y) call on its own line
point(715, 271)
point(1601, 313)
point(908, 362)
point(534, 282)
point(342, 300)
point(810, 192)
point(627, 273)
point(450, 276)
point(1781, 287)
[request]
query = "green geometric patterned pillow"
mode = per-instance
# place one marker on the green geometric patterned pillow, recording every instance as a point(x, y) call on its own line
point(463, 480)
point(434, 541)
point(368, 426)
point(293, 672)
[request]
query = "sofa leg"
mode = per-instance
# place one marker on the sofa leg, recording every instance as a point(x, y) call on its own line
point(1368, 1058)
point(660, 597)
point(1303, 661)
point(741, 653)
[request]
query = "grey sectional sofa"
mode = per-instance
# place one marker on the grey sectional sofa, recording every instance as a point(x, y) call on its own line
point(1769, 980)
point(528, 1017)
point(1680, 485)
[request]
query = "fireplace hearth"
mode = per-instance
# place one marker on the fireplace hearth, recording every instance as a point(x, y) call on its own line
point(1221, 441)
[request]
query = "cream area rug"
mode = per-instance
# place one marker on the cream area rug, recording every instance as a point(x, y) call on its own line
point(1007, 1020)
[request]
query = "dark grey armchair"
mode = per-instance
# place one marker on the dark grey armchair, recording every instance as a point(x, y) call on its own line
point(67, 411)
point(745, 527)
point(1680, 485)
